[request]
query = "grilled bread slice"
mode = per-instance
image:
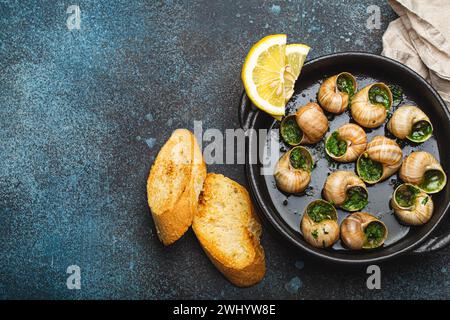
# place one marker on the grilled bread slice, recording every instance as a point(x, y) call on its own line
point(174, 184)
point(229, 231)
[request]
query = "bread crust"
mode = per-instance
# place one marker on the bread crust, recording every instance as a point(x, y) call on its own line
point(173, 219)
point(254, 270)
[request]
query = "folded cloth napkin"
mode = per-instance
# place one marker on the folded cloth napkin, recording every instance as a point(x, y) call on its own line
point(420, 38)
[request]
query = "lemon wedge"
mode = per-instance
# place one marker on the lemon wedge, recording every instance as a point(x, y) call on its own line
point(270, 71)
point(296, 56)
point(263, 74)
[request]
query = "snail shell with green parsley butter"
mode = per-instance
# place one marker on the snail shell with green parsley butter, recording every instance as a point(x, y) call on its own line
point(290, 131)
point(411, 205)
point(335, 92)
point(370, 105)
point(422, 169)
point(293, 170)
point(409, 122)
point(345, 190)
point(312, 122)
point(319, 224)
point(361, 230)
point(382, 158)
point(347, 143)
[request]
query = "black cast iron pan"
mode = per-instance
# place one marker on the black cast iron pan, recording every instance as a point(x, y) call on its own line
point(284, 212)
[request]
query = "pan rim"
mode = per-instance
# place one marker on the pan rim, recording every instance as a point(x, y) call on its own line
point(282, 228)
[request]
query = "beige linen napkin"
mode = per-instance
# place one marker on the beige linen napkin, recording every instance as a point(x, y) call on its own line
point(420, 38)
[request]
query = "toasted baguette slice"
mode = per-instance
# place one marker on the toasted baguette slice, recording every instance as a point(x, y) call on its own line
point(229, 231)
point(174, 184)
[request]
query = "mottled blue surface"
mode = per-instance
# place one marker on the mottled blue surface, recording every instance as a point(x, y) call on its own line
point(84, 112)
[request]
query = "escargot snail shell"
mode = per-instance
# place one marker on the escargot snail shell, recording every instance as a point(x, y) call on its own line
point(416, 164)
point(312, 121)
point(283, 125)
point(387, 152)
point(403, 119)
point(329, 96)
point(417, 214)
point(356, 139)
point(326, 231)
point(364, 112)
point(352, 230)
point(338, 183)
point(288, 178)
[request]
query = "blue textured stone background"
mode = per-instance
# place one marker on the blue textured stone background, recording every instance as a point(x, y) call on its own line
point(84, 112)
